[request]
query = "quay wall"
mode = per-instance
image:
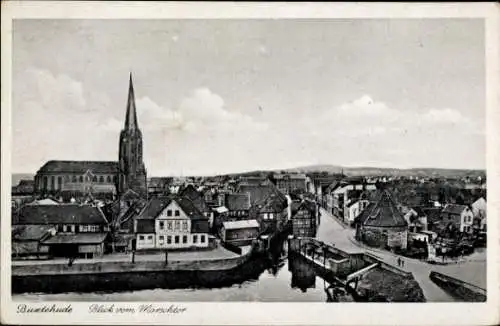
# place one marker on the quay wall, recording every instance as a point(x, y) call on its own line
point(126, 266)
point(125, 276)
point(458, 288)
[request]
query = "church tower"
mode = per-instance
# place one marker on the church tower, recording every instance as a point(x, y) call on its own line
point(132, 173)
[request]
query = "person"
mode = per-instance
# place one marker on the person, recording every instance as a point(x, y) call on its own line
point(402, 263)
point(399, 262)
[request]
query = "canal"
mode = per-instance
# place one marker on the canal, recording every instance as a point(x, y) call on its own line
point(280, 279)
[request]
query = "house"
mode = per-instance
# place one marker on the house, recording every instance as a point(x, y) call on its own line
point(416, 219)
point(460, 216)
point(240, 233)
point(78, 230)
point(238, 205)
point(381, 224)
point(304, 218)
point(479, 208)
point(343, 193)
point(26, 240)
point(171, 222)
point(271, 213)
point(198, 200)
point(353, 208)
point(23, 188)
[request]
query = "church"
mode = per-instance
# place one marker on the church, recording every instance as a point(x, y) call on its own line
point(101, 179)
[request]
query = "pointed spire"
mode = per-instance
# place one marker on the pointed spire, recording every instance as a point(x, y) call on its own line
point(131, 117)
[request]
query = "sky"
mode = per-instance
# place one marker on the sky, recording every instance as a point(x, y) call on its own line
point(220, 96)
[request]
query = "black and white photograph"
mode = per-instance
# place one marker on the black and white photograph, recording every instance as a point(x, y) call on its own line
point(298, 160)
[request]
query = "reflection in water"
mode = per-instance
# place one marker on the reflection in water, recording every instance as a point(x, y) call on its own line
point(265, 279)
point(303, 275)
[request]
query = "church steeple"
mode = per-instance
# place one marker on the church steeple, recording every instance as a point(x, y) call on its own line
point(131, 117)
point(132, 173)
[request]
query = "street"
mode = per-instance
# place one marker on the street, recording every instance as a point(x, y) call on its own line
point(472, 270)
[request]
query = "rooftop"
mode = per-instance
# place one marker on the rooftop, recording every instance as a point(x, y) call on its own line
point(243, 224)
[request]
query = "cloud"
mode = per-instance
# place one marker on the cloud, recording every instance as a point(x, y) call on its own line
point(444, 116)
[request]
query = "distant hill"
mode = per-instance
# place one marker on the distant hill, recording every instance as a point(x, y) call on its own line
point(373, 171)
point(16, 177)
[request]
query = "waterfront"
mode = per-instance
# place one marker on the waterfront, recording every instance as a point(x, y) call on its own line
point(286, 279)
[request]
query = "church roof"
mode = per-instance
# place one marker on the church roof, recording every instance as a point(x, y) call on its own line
point(131, 117)
point(104, 167)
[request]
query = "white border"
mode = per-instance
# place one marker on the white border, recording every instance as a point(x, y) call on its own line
point(269, 313)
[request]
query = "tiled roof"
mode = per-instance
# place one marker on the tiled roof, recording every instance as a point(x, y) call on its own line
point(259, 194)
point(238, 201)
point(454, 209)
point(79, 238)
point(196, 197)
point(382, 213)
point(305, 204)
point(107, 167)
point(156, 205)
point(29, 232)
point(59, 214)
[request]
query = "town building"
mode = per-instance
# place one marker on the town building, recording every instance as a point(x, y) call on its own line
point(159, 185)
point(460, 216)
point(100, 178)
point(341, 194)
point(416, 219)
point(304, 218)
point(239, 233)
point(75, 230)
point(381, 224)
point(353, 208)
point(171, 222)
point(238, 205)
point(286, 183)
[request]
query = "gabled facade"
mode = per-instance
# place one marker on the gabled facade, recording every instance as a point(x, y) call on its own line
point(460, 216)
point(171, 223)
point(304, 218)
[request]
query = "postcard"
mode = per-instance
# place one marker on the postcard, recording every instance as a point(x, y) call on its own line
point(250, 163)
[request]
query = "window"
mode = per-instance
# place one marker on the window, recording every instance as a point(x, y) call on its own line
point(177, 213)
point(177, 225)
point(169, 213)
point(202, 239)
point(184, 239)
point(74, 178)
point(81, 178)
point(101, 179)
point(150, 238)
point(176, 239)
point(161, 225)
point(141, 238)
point(109, 178)
point(169, 239)
point(169, 225)
point(271, 216)
point(195, 239)
point(184, 225)
point(73, 228)
point(160, 239)
point(94, 179)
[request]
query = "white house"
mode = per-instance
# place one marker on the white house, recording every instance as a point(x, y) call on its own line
point(479, 208)
point(171, 222)
point(460, 215)
point(354, 208)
